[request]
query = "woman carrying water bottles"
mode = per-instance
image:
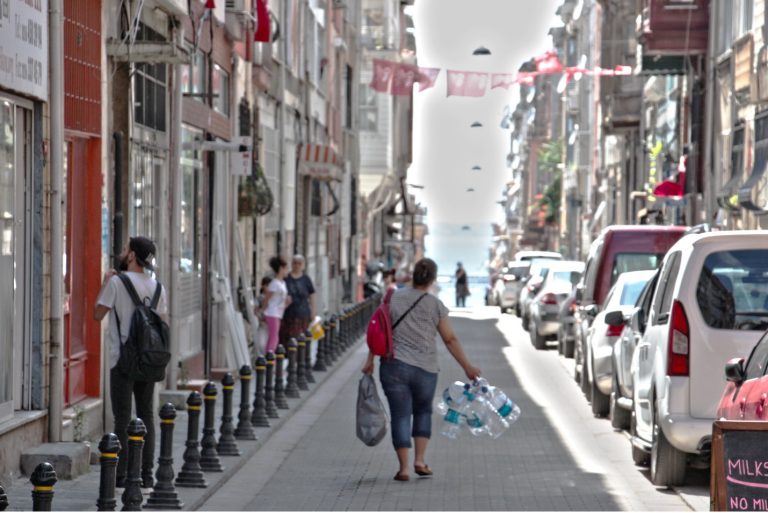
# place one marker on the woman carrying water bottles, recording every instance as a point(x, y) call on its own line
point(409, 378)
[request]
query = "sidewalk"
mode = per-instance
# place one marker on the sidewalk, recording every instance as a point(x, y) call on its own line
point(81, 494)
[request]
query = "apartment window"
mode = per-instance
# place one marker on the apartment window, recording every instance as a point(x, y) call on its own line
point(369, 109)
point(150, 85)
point(220, 90)
point(193, 76)
point(737, 152)
point(742, 17)
point(146, 165)
point(191, 220)
point(272, 173)
point(347, 90)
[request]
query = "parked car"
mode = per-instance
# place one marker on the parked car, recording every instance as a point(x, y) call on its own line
point(605, 331)
point(507, 287)
point(545, 306)
point(526, 256)
point(566, 335)
point(633, 327)
point(711, 304)
point(618, 249)
point(536, 274)
point(746, 392)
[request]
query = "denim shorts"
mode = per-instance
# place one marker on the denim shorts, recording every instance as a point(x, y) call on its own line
point(410, 391)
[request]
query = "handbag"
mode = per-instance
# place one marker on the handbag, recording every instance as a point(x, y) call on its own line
point(371, 418)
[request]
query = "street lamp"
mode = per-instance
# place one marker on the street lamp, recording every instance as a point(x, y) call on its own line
point(481, 50)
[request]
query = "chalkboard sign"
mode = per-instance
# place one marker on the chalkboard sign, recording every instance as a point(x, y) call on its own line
point(739, 479)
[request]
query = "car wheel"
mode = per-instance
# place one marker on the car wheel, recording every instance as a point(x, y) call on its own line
point(576, 357)
point(539, 341)
point(502, 309)
point(585, 387)
point(600, 401)
point(639, 456)
point(619, 416)
point(667, 463)
point(526, 320)
point(568, 348)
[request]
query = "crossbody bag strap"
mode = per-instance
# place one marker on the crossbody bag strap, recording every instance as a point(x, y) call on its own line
point(130, 288)
point(156, 297)
point(408, 311)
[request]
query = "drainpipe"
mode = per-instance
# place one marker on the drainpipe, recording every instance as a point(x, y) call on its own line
point(707, 149)
point(56, 105)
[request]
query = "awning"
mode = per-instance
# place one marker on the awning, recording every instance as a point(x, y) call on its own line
point(319, 162)
point(751, 194)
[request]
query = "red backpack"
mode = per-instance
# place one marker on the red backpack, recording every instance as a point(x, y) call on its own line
point(379, 334)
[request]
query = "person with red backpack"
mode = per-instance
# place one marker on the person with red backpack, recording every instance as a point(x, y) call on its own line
point(408, 369)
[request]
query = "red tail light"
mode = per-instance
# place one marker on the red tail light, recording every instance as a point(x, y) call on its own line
point(548, 299)
point(573, 307)
point(532, 288)
point(679, 342)
point(614, 331)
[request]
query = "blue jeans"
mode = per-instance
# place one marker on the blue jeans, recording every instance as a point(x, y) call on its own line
point(410, 391)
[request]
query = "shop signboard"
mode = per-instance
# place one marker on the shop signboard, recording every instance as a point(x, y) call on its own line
point(24, 47)
point(739, 472)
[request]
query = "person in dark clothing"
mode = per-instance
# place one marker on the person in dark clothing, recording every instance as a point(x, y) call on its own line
point(462, 287)
point(300, 313)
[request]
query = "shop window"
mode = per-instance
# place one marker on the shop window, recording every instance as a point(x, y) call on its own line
point(369, 109)
point(191, 220)
point(272, 173)
point(220, 90)
point(146, 165)
point(316, 201)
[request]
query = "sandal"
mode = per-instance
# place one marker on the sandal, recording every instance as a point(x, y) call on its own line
point(402, 477)
point(422, 470)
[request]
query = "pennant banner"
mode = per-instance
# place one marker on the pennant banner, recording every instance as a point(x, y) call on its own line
point(427, 78)
point(467, 83)
point(382, 75)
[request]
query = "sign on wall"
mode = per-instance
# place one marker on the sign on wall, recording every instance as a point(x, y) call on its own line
point(739, 458)
point(24, 47)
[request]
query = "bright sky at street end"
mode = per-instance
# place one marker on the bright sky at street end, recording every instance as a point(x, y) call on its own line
point(445, 147)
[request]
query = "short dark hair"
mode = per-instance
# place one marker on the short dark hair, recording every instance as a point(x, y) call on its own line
point(424, 272)
point(276, 263)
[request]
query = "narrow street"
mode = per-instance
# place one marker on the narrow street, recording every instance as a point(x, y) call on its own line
point(556, 457)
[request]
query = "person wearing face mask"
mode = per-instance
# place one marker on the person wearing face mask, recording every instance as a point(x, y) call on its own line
point(134, 263)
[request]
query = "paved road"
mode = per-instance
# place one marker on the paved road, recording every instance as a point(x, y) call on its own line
point(556, 457)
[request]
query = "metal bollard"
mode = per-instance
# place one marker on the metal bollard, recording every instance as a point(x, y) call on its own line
point(209, 457)
point(291, 389)
point(259, 415)
point(308, 358)
point(269, 388)
point(109, 446)
point(344, 329)
point(132, 497)
point(164, 494)
point(333, 338)
point(191, 475)
point(244, 429)
point(280, 401)
point(43, 478)
point(227, 445)
point(320, 356)
point(3, 500)
point(301, 378)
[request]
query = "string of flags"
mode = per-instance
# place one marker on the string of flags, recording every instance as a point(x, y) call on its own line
point(398, 78)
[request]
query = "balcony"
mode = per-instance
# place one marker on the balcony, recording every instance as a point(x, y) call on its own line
point(674, 27)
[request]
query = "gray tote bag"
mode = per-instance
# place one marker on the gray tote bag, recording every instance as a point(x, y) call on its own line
point(371, 416)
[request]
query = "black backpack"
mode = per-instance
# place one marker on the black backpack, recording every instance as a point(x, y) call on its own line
point(146, 352)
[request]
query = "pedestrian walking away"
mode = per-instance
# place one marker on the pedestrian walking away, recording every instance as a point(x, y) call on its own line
point(277, 299)
point(300, 313)
point(462, 287)
point(409, 378)
point(114, 298)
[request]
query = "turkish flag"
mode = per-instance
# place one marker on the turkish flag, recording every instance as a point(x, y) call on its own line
point(403, 79)
point(548, 62)
point(383, 71)
point(262, 22)
point(427, 77)
point(467, 83)
point(502, 80)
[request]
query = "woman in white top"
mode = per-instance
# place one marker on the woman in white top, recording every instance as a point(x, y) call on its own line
point(276, 298)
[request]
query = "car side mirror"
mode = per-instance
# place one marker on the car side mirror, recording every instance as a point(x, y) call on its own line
point(614, 318)
point(579, 294)
point(591, 310)
point(734, 370)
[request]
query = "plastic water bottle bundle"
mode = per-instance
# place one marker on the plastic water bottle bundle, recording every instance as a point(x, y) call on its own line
point(453, 407)
point(507, 410)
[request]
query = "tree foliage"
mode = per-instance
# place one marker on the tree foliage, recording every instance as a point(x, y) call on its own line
point(550, 160)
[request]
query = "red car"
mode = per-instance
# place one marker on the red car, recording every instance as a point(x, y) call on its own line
point(746, 393)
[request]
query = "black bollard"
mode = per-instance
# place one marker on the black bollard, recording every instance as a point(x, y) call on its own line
point(327, 344)
point(259, 415)
point(301, 377)
point(109, 448)
point(209, 457)
point(227, 445)
point(308, 358)
point(269, 388)
point(43, 478)
point(332, 338)
point(320, 355)
point(244, 429)
point(132, 497)
point(343, 329)
point(291, 389)
point(164, 494)
point(191, 475)
point(280, 401)
point(3, 500)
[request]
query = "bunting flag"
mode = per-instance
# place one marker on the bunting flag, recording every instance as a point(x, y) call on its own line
point(427, 77)
point(467, 83)
point(262, 34)
point(503, 80)
point(548, 62)
point(403, 79)
point(382, 75)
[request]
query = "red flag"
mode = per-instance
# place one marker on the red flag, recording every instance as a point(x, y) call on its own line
point(210, 4)
point(262, 22)
point(502, 80)
point(674, 188)
point(403, 79)
point(427, 77)
point(526, 77)
point(382, 75)
point(548, 62)
point(467, 83)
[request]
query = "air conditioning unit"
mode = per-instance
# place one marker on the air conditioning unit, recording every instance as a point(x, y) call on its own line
point(235, 5)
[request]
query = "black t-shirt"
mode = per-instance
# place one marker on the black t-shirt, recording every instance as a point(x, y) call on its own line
point(299, 289)
point(461, 277)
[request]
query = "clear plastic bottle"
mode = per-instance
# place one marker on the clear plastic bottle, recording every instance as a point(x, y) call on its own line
point(507, 409)
point(455, 403)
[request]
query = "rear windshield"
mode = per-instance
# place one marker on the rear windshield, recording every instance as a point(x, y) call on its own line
point(732, 292)
point(518, 272)
point(569, 277)
point(627, 262)
point(631, 292)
